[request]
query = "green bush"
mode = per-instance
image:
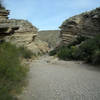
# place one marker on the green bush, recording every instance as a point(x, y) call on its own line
point(24, 52)
point(64, 53)
point(52, 53)
point(89, 47)
point(76, 53)
point(96, 57)
point(89, 51)
point(12, 73)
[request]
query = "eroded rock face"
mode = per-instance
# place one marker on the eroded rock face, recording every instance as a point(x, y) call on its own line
point(86, 24)
point(24, 35)
point(20, 32)
point(6, 28)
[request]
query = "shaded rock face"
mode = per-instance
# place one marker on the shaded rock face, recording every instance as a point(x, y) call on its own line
point(20, 32)
point(86, 24)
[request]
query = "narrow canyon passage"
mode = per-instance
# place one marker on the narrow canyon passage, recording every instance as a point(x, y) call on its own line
point(51, 79)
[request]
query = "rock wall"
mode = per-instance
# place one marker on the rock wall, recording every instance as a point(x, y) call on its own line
point(25, 33)
point(6, 28)
point(86, 24)
point(20, 32)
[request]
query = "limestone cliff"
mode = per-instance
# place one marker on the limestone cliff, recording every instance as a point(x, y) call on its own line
point(5, 27)
point(25, 33)
point(20, 32)
point(86, 24)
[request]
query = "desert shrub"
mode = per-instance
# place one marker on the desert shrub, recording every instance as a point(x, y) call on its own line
point(64, 53)
point(12, 73)
point(24, 52)
point(53, 52)
point(89, 47)
point(76, 53)
point(89, 51)
point(96, 57)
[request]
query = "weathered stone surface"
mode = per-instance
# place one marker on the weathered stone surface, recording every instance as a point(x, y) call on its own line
point(86, 24)
point(25, 33)
point(3, 13)
point(6, 28)
point(38, 46)
point(20, 32)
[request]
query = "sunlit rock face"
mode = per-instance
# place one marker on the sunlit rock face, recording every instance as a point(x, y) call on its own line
point(6, 28)
point(86, 24)
point(20, 32)
point(25, 34)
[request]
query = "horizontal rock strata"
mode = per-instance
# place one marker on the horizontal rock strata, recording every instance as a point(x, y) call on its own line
point(86, 24)
point(20, 32)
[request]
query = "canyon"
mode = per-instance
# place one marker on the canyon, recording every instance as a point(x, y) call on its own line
point(50, 78)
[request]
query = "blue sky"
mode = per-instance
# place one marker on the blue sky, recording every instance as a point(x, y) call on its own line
point(48, 14)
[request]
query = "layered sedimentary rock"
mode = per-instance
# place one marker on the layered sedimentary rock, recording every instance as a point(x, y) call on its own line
point(86, 24)
point(6, 28)
point(20, 32)
point(25, 33)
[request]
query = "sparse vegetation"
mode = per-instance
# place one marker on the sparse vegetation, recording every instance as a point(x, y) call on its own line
point(89, 51)
point(12, 72)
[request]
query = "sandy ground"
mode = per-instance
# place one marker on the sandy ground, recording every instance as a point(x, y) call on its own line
point(51, 79)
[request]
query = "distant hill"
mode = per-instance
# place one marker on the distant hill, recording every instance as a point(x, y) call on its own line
point(52, 37)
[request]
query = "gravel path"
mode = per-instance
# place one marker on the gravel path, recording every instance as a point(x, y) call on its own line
point(50, 79)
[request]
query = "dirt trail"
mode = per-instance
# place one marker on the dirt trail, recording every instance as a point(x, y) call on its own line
point(50, 79)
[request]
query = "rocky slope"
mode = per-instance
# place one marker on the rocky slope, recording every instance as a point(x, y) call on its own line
point(50, 36)
point(86, 24)
point(20, 32)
